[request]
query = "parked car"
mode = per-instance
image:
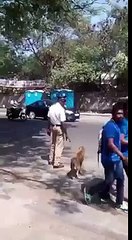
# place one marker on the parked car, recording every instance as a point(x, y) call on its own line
point(40, 109)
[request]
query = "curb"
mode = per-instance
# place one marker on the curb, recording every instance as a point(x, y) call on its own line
point(95, 114)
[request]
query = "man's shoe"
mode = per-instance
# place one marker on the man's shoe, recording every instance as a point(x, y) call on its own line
point(58, 166)
point(123, 207)
point(105, 199)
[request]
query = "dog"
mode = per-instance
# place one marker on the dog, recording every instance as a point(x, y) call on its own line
point(76, 163)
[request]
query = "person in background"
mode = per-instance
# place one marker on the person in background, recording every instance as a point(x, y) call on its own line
point(112, 158)
point(123, 125)
point(57, 130)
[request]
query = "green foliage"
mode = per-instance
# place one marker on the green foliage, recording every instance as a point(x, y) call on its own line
point(120, 29)
point(31, 69)
point(73, 71)
point(19, 18)
point(10, 63)
point(121, 63)
point(63, 44)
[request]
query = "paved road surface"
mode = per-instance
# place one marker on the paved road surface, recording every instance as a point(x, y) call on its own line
point(43, 203)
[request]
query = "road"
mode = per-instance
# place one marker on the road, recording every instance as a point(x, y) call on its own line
point(43, 203)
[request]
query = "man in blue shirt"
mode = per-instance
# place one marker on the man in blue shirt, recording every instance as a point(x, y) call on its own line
point(123, 125)
point(112, 157)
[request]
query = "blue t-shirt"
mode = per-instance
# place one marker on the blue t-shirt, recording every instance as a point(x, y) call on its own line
point(123, 125)
point(110, 130)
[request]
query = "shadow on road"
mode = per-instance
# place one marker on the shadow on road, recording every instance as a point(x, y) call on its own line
point(22, 142)
point(24, 148)
point(72, 193)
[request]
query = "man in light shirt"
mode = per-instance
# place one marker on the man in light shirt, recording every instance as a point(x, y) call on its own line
point(57, 131)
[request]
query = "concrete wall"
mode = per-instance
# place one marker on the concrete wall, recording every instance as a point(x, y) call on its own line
point(96, 101)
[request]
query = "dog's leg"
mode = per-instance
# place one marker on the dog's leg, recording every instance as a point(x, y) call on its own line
point(80, 172)
point(69, 174)
point(80, 168)
point(76, 173)
point(76, 176)
point(73, 168)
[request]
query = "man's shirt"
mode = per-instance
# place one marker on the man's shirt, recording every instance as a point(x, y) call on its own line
point(110, 130)
point(123, 125)
point(57, 114)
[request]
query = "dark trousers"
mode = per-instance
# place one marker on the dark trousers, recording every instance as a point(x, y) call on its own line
point(125, 166)
point(114, 171)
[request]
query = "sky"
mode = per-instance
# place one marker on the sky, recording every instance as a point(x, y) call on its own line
point(105, 7)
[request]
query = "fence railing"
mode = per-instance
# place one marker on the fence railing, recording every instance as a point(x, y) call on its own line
point(21, 84)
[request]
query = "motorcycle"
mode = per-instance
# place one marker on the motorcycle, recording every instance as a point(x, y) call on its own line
point(16, 112)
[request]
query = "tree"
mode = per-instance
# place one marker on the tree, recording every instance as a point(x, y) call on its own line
point(97, 51)
point(120, 28)
point(120, 63)
point(120, 68)
point(112, 38)
point(63, 44)
point(31, 69)
point(29, 24)
point(73, 71)
point(19, 18)
point(10, 63)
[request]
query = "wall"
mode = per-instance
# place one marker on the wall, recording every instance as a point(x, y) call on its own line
point(97, 101)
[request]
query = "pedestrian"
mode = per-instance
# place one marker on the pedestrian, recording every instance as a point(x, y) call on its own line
point(57, 130)
point(123, 125)
point(112, 158)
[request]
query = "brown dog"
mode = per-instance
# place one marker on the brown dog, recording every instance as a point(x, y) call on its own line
point(76, 163)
